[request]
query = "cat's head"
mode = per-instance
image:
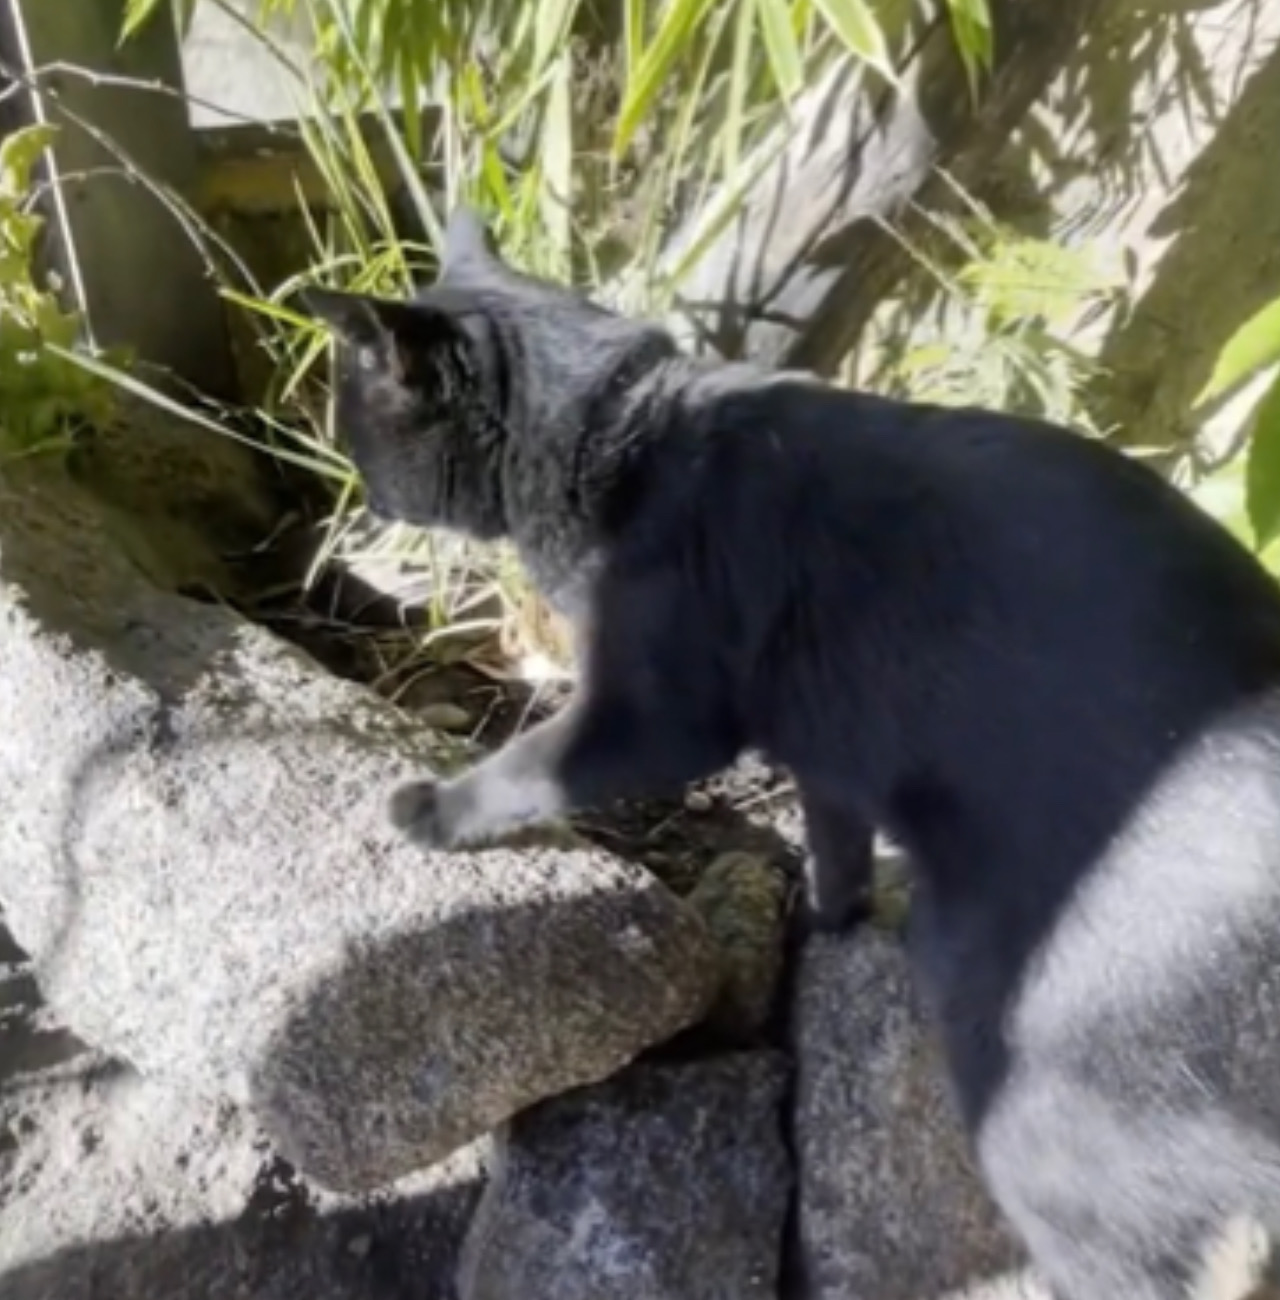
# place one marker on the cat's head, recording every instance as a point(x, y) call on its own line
point(431, 393)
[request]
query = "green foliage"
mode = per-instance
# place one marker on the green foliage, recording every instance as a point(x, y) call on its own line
point(1252, 348)
point(43, 394)
point(137, 13)
point(687, 79)
point(971, 23)
point(997, 332)
point(1248, 484)
point(1262, 470)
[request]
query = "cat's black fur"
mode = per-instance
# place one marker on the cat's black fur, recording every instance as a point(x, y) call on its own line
point(1052, 679)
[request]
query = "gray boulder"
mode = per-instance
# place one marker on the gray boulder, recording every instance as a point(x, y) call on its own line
point(193, 849)
point(670, 1182)
point(889, 1202)
point(117, 1186)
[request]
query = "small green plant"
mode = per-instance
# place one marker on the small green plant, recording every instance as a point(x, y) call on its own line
point(44, 396)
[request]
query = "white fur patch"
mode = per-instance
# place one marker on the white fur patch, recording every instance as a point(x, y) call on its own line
point(511, 800)
point(1196, 866)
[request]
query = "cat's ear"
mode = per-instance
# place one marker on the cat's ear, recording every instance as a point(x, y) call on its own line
point(466, 239)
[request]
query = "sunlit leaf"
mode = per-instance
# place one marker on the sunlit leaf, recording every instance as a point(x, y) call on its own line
point(739, 78)
point(1262, 470)
point(554, 23)
point(680, 20)
point(971, 27)
point(137, 13)
point(1251, 349)
point(557, 164)
point(121, 379)
point(855, 23)
point(780, 45)
point(633, 34)
point(19, 152)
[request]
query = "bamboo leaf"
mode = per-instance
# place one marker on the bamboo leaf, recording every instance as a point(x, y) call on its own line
point(554, 23)
point(781, 46)
point(974, 36)
point(739, 84)
point(1252, 348)
point(557, 163)
point(317, 459)
point(854, 22)
point(633, 28)
point(1262, 470)
point(137, 14)
point(672, 42)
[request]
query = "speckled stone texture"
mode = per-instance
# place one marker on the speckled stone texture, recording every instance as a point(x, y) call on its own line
point(890, 1206)
point(116, 1187)
point(194, 850)
point(668, 1183)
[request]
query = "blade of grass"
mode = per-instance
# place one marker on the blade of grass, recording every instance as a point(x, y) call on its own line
point(781, 46)
point(327, 465)
point(551, 31)
point(557, 167)
point(736, 91)
point(672, 41)
point(425, 211)
point(633, 35)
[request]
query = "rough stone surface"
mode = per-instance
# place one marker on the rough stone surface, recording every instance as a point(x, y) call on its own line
point(889, 1204)
point(523, 979)
point(193, 848)
point(668, 1183)
point(185, 508)
point(113, 1187)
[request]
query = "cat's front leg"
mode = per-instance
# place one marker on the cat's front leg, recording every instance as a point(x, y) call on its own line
point(600, 748)
point(649, 717)
point(516, 787)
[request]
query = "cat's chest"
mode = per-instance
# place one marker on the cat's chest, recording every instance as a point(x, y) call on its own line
point(563, 565)
point(551, 530)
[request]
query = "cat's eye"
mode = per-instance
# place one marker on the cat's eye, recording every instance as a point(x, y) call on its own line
point(367, 359)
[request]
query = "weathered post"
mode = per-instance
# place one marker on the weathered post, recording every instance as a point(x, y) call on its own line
point(127, 259)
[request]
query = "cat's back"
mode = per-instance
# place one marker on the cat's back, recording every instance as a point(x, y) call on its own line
point(1036, 569)
point(1038, 524)
point(999, 600)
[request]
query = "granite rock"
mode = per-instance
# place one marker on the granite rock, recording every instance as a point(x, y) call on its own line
point(890, 1205)
point(195, 852)
point(669, 1182)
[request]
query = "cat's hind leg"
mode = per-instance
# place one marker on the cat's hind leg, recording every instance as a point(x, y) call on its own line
point(1113, 1201)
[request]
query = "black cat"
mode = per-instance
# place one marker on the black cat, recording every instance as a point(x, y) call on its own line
point(1048, 675)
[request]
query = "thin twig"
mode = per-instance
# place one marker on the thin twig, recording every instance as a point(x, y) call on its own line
point(98, 80)
point(200, 233)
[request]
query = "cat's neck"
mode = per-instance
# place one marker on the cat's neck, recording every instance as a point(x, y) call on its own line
point(559, 474)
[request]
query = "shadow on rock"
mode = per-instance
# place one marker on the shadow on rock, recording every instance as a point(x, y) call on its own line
point(418, 1042)
point(29, 1043)
point(279, 1248)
